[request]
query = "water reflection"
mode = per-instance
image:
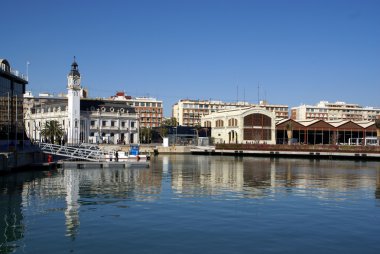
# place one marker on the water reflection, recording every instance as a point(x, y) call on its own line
point(377, 192)
point(11, 216)
point(72, 192)
point(260, 177)
point(71, 181)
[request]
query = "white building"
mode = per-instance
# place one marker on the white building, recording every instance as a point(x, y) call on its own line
point(189, 112)
point(242, 125)
point(325, 110)
point(82, 119)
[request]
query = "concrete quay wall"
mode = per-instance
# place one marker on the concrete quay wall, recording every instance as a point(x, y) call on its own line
point(149, 149)
point(289, 153)
point(15, 160)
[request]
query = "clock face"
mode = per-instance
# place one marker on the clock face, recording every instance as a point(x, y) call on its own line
point(76, 81)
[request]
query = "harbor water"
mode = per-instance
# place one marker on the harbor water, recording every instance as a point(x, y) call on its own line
point(195, 204)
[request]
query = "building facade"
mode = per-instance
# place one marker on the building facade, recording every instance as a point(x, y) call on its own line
point(85, 120)
point(323, 132)
point(12, 88)
point(149, 110)
point(101, 121)
point(189, 112)
point(242, 125)
point(325, 110)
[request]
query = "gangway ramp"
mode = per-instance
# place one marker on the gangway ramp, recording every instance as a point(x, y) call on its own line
point(83, 152)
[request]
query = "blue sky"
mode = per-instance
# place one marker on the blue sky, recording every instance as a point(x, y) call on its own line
point(297, 51)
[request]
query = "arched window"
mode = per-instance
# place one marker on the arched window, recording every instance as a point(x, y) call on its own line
point(257, 120)
point(219, 123)
point(207, 124)
point(232, 122)
point(257, 127)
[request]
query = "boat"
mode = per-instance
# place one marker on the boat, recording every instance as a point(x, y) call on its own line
point(132, 155)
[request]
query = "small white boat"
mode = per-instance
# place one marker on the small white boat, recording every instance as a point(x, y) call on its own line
point(133, 155)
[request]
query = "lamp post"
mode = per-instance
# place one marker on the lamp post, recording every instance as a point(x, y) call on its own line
point(175, 136)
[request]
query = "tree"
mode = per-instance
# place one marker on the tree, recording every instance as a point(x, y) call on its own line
point(145, 135)
point(164, 128)
point(289, 131)
point(170, 122)
point(53, 130)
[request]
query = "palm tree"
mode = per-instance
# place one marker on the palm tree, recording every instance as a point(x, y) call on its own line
point(53, 130)
point(289, 131)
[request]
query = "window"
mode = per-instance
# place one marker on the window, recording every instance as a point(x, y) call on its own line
point(219, 123)
point(122, 124)
point(207, 124)
point(104, 123)
point(112, 123)
point(232, 122)
point(132, 124)
point(92, 123)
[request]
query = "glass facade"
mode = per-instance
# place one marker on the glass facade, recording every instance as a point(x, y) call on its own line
point(11, 111)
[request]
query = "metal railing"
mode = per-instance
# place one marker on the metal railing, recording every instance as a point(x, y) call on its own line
point(87, 152)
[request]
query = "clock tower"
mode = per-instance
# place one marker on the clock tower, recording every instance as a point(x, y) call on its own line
point(73, 95)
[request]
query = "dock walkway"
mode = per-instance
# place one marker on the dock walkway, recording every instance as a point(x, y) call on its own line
point(271, 151)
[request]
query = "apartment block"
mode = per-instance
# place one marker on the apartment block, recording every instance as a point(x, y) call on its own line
point(189, 112)
point(339, 110)
point(149, 110)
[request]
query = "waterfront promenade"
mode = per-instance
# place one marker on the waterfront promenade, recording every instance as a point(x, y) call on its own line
point(302, 151)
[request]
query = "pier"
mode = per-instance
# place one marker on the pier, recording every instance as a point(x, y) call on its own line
point(298, 151)
point(103, 164)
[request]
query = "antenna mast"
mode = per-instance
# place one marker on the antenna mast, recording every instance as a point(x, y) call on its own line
point(237, 93)
point(258, 92)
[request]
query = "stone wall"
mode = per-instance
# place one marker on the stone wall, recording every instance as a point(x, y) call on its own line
point(12, 161)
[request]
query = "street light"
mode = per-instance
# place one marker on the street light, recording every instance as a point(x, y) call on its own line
point(175, 137)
